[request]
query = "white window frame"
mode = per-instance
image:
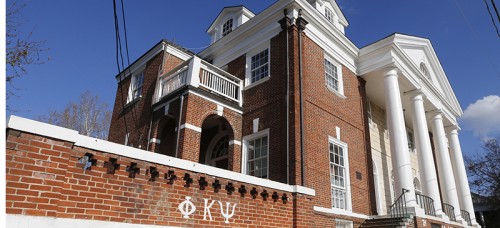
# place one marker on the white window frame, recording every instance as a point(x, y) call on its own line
point(248, 77)
point(245, 146)
point(340, 87)
point(347, 184)
point(343, 223)
point(329, 15)
point(229, 29)
point(134, 87)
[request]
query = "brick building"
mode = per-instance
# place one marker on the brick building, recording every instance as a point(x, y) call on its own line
point(282, 117)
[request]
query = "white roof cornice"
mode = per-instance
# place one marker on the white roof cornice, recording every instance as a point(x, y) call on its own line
point(389, 51)
point(265, 25)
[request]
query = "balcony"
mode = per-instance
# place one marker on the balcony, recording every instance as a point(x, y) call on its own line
point(199, 74)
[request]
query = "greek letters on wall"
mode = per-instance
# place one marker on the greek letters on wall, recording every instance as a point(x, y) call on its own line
point(187, 208)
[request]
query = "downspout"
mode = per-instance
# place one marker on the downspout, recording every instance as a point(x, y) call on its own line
point(179, 126)
point(301, 22)
point(285, 24)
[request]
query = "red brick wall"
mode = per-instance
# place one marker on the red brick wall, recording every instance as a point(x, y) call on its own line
point(44, 178)
point(138, 114)
point(324, 111)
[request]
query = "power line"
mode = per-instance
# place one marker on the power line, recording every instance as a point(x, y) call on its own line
point(496, 10)
point(491, 16)
point(118, 47)
point(476, 36)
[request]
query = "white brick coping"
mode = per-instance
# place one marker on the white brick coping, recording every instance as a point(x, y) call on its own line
point(337, 211)
point(26, 221)
point(39, 128)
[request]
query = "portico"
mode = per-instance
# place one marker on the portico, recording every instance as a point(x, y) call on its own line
point(405, 80)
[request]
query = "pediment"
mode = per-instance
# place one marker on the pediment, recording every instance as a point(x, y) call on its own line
point(430, 72)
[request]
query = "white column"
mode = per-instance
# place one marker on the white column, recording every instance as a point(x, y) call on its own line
point(446, 177)
point(457, 162)
point(428, 174)
point(397, 135)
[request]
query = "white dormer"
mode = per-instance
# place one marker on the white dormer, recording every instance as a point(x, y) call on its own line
point(331, 11)
point(228, 20)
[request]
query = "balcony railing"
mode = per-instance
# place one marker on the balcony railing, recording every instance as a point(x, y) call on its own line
point(220, 85)
point(198, 73)
point(466, 216)
point(449, 211)
point(398, 208)
point(173, 82)
point(427, 203)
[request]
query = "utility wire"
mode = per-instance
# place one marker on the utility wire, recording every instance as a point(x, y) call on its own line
point(133, 111)
point(496, 10)
point(478, 40)
point(491, 16)
point(117, 47)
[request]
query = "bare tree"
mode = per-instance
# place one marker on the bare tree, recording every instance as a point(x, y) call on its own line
point(21, 51)
point(485, 171)
point(88, 116)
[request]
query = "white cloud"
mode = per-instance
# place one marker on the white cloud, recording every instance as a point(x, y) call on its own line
point(483, 116)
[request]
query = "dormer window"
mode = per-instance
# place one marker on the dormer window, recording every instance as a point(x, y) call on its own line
point(227, 27)
point(329, 15)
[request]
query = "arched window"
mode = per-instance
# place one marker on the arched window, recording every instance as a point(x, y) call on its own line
point(218, 155)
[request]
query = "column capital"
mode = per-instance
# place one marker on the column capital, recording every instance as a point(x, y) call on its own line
point(416, 94)
point(452, 129)
point(391, 71)
point(436, 113)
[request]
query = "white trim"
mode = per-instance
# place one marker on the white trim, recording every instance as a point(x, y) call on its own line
point(216, 102)
point(337, 211)
point(244, 148)
point(38, 128)
point(235, 142)
point(141, 62)
point(340, 90)
point(220, 110)
point(25, 221)
point(155, 140)
point(337, 132)
point(177, 53)
point(255, 125)
point(347, 173)
point(190, 126)
point(257, 50)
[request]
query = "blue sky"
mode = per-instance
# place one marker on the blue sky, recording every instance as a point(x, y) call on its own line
point(80, 38)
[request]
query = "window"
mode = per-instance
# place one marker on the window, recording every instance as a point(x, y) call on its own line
point(411, 141)
point(339, 175)
point(340, 223)
point(259, 66)
point(333, 76)
point(329, 15)
point(136, 87)
point(256, 154)
point(227, 27)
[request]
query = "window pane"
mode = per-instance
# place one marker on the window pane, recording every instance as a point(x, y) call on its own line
point(259, 66)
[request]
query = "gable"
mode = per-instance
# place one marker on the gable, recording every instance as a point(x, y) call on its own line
point(420, 52)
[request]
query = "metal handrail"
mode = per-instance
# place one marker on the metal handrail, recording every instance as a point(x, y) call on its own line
point(449, 211)
point(466, 216)
point(398, 208)
point(427, 203)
